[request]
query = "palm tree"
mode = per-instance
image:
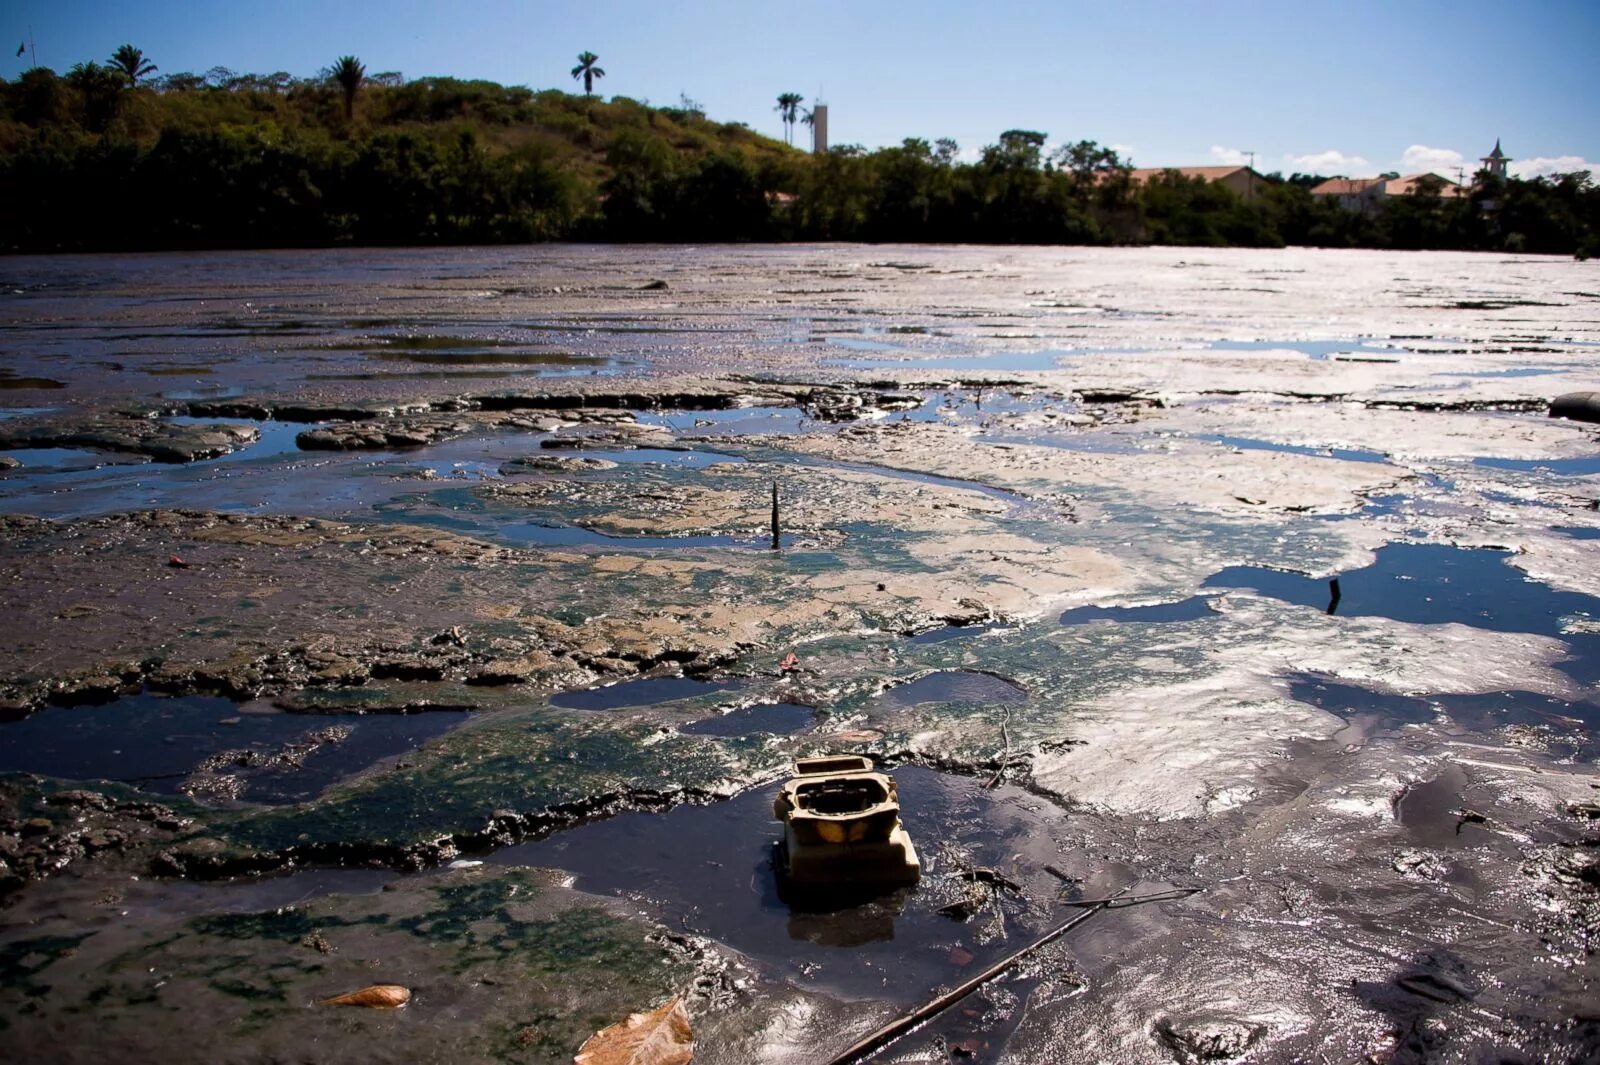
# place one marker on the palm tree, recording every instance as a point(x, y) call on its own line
point(587, 70)
point(348, 73)
point(789, 108)
point(130, 63)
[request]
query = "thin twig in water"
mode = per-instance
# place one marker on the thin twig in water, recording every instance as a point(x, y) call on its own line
point(1116, 902)
point(1005, 755)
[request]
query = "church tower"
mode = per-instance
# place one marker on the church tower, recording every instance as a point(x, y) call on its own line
point(1495, 162)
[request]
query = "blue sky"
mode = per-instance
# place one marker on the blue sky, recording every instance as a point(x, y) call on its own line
point(1343, 86)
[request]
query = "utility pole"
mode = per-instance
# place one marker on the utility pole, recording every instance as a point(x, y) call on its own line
point(1250, 177)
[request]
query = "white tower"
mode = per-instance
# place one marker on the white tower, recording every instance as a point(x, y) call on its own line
point(819, 128)
point(1495, 162)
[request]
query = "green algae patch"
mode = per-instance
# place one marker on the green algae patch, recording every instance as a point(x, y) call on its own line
point(502, 965)
point(524, 771)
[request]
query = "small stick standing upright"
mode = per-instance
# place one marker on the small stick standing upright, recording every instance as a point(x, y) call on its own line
point(775, 515)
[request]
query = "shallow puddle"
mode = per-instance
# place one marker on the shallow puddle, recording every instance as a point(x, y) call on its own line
point(709, 869)
point(1514, 372)
point(274, 439)
point(777, 719)
point(50, 460)
point(684, 457)
point(645, 691)
point(1244, 443)
point(1426, 584)
point(1319, 350)
point(156, 742)
point(1561, 467)
point(738, 422)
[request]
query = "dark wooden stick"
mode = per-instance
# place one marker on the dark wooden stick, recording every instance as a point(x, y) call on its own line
point(1059, 875)
point(875, 1042)
point(1113, 902)
point(775, 515)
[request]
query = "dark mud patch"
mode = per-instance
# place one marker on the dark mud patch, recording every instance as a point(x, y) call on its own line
point(953, 632)
point(163, 440)
point(1494, 305)
point(550, 535)
point(10, 382)
point(459, 355)
point(1435, 812)
point(160, 744)
point(646, 691)
point(777, 719)
point(186, 898)
point(1192, 609)
point(952, 686)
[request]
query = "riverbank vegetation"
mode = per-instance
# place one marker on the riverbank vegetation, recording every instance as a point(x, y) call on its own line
point(117, 157)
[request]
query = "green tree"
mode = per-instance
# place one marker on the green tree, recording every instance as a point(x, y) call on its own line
point(587, 70)
point(348, 73)
point(788, 110)
point(100, 90)
point(131, 64)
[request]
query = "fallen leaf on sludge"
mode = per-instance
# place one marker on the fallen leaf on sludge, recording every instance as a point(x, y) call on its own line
point(377, 997)
point(660, 1037)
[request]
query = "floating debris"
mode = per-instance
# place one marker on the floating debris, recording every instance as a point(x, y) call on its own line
point(660, 1037)
point(842, 826)
point(376, 997)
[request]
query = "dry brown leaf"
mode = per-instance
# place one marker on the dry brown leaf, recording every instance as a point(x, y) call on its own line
point(660, 1037)
point(377, 997)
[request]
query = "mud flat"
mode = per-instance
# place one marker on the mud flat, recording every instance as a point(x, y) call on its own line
point(413, 617)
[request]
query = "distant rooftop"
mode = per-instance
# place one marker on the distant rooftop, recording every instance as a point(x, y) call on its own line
point(1340, 186)
point(1210, 173)
point(1378, 186)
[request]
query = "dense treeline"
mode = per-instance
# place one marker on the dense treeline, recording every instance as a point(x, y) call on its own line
point(107, 157)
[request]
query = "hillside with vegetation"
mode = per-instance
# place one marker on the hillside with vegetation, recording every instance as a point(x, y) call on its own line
point(115, 156)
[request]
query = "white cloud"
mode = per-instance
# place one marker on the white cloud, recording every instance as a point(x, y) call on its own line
point(1124, 150)
point(1229, 156)
point(1419, 158)
point(1544, 166)
point(1331, 161)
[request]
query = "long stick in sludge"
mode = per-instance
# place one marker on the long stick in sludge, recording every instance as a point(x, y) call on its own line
point(899, 1027)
